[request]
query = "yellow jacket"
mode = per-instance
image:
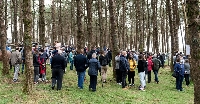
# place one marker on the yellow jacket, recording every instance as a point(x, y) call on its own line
point(132, 64)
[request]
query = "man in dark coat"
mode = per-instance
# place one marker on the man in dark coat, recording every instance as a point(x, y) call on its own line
point(58, 67)
point(80, 63)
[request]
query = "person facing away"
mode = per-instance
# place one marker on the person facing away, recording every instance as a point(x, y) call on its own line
point(124, 68)
point(36, 64)
point(71, 59)
point(118, 73)
point(141, 71)
point(131, 72)
point(16, 61)
point(187, 72)
point(179, 69)
point(58, 67)
point(156, 67)
point(150, 67)
point(103, 59)
point(81, 64)
point(64, 54)
point(94, 66)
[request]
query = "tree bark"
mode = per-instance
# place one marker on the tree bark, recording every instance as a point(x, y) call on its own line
point(41, 23)
point(194, 31)
point(15, 22)
point(80, 35)
point(91, 42)
point(3, 38)
point(114, 39)
point(28, 83)
point(53, 11)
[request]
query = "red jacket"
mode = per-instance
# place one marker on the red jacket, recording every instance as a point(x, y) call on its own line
point(150, 64)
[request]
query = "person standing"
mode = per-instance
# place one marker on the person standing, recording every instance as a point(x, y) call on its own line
point(118, 73)
point(131, 72)
point(150, 66)
point(179, 69)
point(80, 63)
point(94, 66)
point(36, 64)
point(156, 67)
point(71, 59)
point(58, 67)
point(124, 68)
point(141, 71)
point(103, 59)
point(187, 72)
point(16, 61)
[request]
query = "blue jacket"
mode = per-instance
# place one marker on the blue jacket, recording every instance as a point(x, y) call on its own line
point(179, 68)
point(80, 63)
point(94, 66)
point(123, 64)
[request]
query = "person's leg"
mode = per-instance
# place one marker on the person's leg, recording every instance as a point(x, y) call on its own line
point(53, 78)
point(149, 76)
point(156, 75)
point(117, 75)
point(17, 67)
point(123, 79)
point(142, 80)
point(82, 76)
point(59, 79)
point(103, 73)
point(181, 82)
point(78, 74)
point(187, 79)
point(90, 86)
point(129, 77)
point(95, 83)
point(133, 80)
point(92, 82)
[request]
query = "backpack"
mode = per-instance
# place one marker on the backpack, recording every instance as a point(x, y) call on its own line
point(104, 61)
point(156, 64)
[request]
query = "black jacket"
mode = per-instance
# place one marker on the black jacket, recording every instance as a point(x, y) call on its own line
point(58, 62)
point(141, 66)
point(80, 63)
point(36, 62)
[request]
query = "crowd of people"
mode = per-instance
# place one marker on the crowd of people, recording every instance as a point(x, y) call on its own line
point(97, 62)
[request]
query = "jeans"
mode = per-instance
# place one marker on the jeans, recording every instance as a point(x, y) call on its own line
point(71, 64)
point(93, 82)
point(156, 75)
point(142, 79)
point(36, 74)
point(179, 81)
point(187, 79)
point(17, 67)
point(23, 61)
point(57, 74)
point(81, 76)
point(124, 75)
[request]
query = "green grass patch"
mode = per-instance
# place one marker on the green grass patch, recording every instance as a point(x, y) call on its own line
point(110, 93)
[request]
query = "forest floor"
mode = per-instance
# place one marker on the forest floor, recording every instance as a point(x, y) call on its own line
point(110, 93)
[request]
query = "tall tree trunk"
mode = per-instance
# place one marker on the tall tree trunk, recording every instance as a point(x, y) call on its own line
point(33, 26)
point(73, 27)
point(53, 17)
point(194, 30)
point(3, 38)
point(171, 32)
point(6, 14)
point(20, 21)
point(155, 29)
point(101, 24)
point(80, 35)
point(41, 23)
point(123, 23)
point(28, 83)
point(60, 22)
point(148, 27)
point(89, 24)
point(113, 33)
point(15, 21)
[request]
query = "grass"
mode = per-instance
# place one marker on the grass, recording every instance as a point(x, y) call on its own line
point(110, 93)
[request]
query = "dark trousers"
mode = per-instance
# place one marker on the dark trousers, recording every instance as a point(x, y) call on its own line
point(179, 81)
point(149, 76)
point(124, 75)
point(156, 75)
point(57, 74)
point(93, 82)
point(131, 75)
point(118, 76)
point(36, 73)
point(187, 80)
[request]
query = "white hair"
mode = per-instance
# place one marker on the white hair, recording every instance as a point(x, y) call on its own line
point(94, 55)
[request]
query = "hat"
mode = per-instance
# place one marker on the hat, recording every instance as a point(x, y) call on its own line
point(55, 52)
